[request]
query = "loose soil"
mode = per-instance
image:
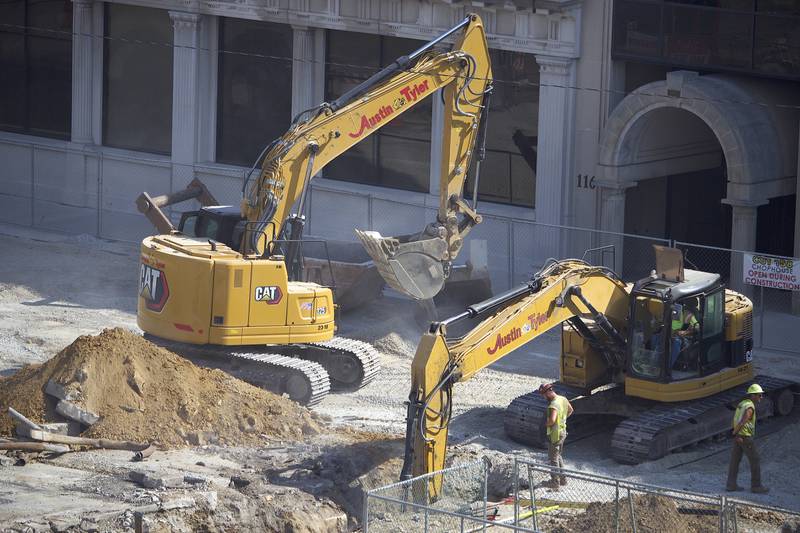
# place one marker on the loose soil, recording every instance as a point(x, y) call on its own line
point(145, 393)
point(652, 513)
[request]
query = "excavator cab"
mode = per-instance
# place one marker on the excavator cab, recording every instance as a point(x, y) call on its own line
point(221, 223)
point(678, 328)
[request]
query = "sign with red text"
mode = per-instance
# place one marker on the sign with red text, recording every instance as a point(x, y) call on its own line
point(772, 272)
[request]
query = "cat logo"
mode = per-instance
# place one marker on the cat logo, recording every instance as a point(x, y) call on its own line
point(270, 294)
point(153, 287)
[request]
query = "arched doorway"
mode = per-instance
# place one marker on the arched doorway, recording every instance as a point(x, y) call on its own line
point(693, 157)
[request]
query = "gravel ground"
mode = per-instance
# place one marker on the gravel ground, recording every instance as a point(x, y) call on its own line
point(55, 287)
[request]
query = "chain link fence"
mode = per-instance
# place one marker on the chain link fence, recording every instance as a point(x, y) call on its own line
point(92, 191)
point(579, 502)
point(776, 311)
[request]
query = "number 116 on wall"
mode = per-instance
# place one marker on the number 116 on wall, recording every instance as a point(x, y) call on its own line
point(586, 182)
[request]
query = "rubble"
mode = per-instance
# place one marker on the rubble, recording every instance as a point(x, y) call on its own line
point(126, 388)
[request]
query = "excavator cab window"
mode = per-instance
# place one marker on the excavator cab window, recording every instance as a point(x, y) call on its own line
point(216, 223)
point(686, 333)
point(648, 342)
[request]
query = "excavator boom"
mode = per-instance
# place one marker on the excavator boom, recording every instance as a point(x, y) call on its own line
point(415, 265)
point(561, 291)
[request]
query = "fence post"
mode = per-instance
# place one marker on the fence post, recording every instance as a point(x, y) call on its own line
point(485, 493)
point(616, 505)
point(761, 328)
point(516, 492)
point(533, 498)
point(366, 512)
point(427, 503)
point(723, 509)
point(735, 519)
point(633, 516)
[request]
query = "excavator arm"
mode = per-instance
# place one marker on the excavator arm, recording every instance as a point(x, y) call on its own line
point(414, 264)
point(561, 291)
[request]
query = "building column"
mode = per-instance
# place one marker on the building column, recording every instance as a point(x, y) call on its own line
point(556, 145)
point(82, 70)
point(555, 150)
point(795, 294)
point(612, 219)
point(184, 96)
point(743, 238)
point(303, 86)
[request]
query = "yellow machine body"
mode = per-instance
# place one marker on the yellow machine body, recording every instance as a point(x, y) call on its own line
point(596, 310)
point(193, 292)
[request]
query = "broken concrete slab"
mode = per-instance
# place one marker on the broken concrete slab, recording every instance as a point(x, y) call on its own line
point(62, 392)
point(75, 413)
point(151, 481)
point(70, 428)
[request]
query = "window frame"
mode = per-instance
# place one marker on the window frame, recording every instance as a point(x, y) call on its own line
point(27, 32)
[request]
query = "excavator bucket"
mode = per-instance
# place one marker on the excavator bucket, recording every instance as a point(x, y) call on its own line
point(410, 265)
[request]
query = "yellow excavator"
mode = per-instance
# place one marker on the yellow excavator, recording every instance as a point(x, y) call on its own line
point(226, 282)
point(628, 350)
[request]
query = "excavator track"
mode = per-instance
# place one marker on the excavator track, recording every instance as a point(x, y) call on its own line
point(525, 416)
point(667, 427)
point(304, 381)
point(655, 429)
point(350, 364)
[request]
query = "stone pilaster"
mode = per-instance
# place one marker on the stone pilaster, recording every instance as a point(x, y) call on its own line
point(303, 78)
point(743, 237)
point(556, 145)
point(82, 69)
point(186, 39)
point(612, 219)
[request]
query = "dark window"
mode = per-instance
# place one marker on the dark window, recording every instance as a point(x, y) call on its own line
point(36, 67)
point(398, 155)
point(756, 37)
point(138, 79)
point(254, 96)
point(508, 174)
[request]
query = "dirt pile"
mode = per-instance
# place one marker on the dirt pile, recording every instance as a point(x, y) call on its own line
point(143, 393)
point(652, 513)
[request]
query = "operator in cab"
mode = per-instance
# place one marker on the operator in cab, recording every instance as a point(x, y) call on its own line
point(744, 430)
point(558, 410)
point(684, 327)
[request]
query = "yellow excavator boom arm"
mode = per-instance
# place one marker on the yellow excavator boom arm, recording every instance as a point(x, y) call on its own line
point(320, 135)
point(562, 290)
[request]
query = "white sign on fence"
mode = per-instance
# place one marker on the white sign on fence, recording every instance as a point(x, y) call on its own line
point(772, 272)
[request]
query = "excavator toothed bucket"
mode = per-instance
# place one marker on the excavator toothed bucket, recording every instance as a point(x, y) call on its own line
point(411, 267)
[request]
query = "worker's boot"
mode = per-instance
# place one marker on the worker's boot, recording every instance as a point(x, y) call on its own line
point(760, 490)
point(733, 488)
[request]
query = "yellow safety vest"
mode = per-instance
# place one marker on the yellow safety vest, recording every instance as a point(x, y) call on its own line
point(749, 429)
point(677, 324)
point(555, 431)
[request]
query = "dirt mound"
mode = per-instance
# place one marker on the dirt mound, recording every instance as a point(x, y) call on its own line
point(143, 392)
point(652, 513)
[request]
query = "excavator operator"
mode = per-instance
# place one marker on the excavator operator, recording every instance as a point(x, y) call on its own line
point(685, 327)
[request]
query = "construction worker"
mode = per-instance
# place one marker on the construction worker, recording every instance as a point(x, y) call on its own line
point(558, 410)
point(684, 326)
point(744, 430)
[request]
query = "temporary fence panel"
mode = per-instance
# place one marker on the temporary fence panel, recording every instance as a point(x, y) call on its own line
point(581, 502)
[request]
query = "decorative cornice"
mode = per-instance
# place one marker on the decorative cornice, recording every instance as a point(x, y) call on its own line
point(183, 20)
point(557, 66)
